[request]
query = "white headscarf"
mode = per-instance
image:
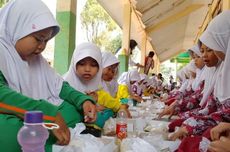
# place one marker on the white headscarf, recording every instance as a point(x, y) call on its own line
point(82, 51)
point(217, 37)
point(211, 75)
point(186, 71)
point(181, 75)
point(200, 76)
point(196, 50)
point(126, 77)
point(200, 73)
point(35, 79)
point(109, 59)
point(153, 81)
point(142, 86)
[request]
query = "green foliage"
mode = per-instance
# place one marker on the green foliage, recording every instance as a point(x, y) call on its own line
point(114, 44)
point(1, 3)
point(99, 26)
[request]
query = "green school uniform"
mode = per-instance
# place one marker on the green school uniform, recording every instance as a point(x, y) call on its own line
point(70, 109)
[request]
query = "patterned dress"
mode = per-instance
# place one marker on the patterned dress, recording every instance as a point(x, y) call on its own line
point(214, 113)
point(187, 106)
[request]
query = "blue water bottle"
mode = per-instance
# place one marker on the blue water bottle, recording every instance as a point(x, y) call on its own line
point(32, 136)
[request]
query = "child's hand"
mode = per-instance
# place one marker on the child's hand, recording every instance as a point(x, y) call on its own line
point(179, 134)
point(93, 94)
point(62, 133)
point(89, 111)
point(136, 97)
point(167, 111)
point(100, 108)
point(221, 145)
point(219, 129)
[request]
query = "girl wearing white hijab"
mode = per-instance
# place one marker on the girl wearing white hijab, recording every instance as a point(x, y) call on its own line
point(109, 74)
point(85, 75)
point(183, 77)
point(200, 71)
point(140, 86)
point(27, 82)
point(191, 101)
point(216, 37)
point(125, 81)
point(190, 71)
point(109, 83)
point(88, 79)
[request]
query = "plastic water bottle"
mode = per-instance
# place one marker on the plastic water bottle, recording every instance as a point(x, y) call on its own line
point(121, 125)
point(32, 136)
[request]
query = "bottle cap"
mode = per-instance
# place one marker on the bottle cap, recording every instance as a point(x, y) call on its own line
point(33, 117)
point(121, 114)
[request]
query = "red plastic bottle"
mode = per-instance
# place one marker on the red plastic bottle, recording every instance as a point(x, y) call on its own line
point(121, 125)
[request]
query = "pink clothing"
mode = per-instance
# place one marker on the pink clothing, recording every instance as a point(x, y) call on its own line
point(216, 113)
point(149, 63)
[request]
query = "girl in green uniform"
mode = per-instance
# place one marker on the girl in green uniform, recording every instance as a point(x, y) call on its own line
point(27, 82)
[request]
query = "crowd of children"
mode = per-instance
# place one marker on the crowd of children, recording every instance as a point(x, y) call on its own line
point(91, 91)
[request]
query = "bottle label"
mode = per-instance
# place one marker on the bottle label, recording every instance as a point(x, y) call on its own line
point(121, 130)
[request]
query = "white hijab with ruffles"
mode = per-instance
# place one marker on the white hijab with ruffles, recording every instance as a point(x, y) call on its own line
point(200, 73)
point(82, 51)
point(141, 87)
point(208, 74)
point(211, 75)
point(196, 50)
point(186, 72)
point(35, 79)
point(126, 77)
point(111, 87)
point(217, 37)
point(189, 69)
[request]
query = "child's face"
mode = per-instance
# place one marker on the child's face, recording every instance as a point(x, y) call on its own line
point(220, 55)
point(193, 74)
point(132, 82)
point(199, 62)
point(140, 82)
point(208, 55)
point(192, 54)
point(87, 68)
point(33, 44)
point(109, 72)
point(145, 83)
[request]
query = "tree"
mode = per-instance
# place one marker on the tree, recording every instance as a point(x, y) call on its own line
point(100, 27)
point(2, 2)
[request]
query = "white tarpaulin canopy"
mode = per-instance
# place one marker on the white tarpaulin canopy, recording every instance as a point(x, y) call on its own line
point(171, 25)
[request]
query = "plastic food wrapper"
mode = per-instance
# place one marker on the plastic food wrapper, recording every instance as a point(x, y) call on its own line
point(159, 142)
point(109, 128)
point(158, 105)
point(87, 142)
point(203, 147)
point(136, 145)
point(156, 126)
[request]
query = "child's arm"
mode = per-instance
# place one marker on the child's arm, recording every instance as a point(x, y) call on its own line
point(73, 96)
point(221, 145)
point(106, 100)
point(217, 131)
point(123, 92)
point(16, 103)
point(81, 102)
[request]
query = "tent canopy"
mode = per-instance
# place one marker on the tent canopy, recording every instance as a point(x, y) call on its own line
point(171, 25)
